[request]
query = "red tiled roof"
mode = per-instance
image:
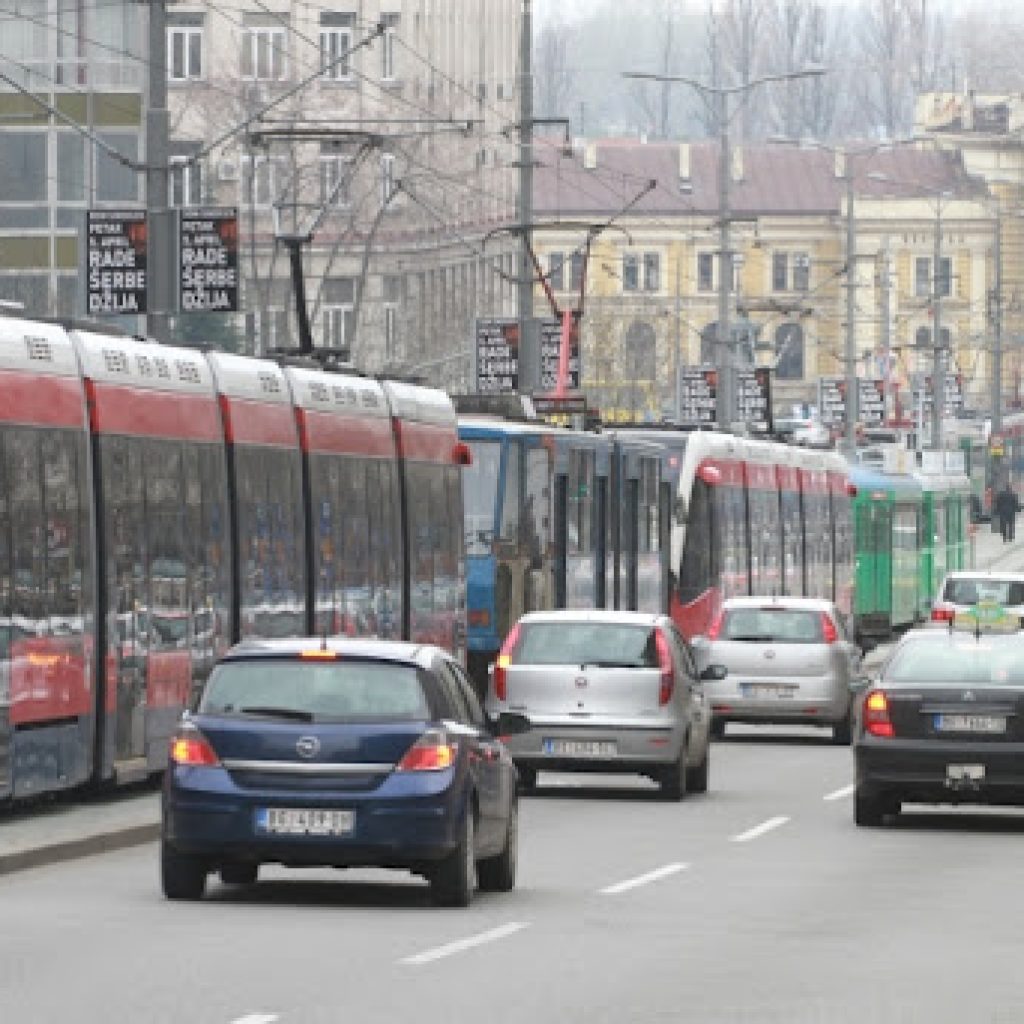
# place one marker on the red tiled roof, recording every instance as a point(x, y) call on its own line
point(778, 178)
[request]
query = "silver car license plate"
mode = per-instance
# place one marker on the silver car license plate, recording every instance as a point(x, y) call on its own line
point(991, 724)
point(580, 748)
point(768, 691)
point(304, 821)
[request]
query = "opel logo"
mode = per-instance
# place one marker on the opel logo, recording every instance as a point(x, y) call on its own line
point(581, 682)
point(307, 746)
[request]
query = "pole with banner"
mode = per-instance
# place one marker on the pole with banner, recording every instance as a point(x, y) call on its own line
point(116, 277)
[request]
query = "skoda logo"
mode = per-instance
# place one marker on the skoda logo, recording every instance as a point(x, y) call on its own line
point(307, 746)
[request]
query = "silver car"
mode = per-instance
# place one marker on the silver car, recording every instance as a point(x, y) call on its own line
point(789, 660)
point(604, 691)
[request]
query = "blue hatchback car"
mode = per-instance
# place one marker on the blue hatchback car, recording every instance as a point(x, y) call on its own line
point(340, 753)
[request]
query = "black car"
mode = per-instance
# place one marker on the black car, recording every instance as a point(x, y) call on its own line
point(943, 724)
point(340, 753)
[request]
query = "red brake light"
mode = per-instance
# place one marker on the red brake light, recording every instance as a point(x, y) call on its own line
point(940, 613)
point(508, 648)
point(876, 714)
point(829, 633)
point(430, 753)
point(192, 748)
point(665, 664)
point(716, 627)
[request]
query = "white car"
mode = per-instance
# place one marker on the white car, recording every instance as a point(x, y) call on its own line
point(962, 590)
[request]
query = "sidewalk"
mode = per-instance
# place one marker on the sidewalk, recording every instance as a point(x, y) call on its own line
point(991, 553)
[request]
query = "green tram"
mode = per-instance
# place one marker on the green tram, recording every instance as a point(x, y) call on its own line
point(910, 529)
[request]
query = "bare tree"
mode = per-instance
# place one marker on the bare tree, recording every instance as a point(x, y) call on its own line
point(742, 43)
point(654, 100)
point(552, 74)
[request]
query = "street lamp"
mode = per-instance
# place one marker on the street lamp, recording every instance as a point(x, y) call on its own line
point(723, 342)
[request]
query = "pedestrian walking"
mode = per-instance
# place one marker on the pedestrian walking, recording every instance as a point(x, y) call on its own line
point(1007, 505)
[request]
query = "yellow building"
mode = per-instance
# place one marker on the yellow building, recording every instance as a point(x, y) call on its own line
point(651, 285)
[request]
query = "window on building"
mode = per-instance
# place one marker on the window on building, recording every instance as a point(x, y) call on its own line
point(185, 48)
point(780, 272)
point(652, 272)
point(705, 272)
point(390, 332)
point(23, 167)
point(556, 271)
point(337, 314)
point(789, 352)
point(387, 46)
point(262, 180)
point(630, 272)
point(71, 167)
point(576, 271)
point(801, 272)
point(387, 178)
point(922, 277)
point(945, 281)
point(336, 45)
point(335, 169)
point(186, 182)
point(267, 329)
point(264, 48)
point(114, 180)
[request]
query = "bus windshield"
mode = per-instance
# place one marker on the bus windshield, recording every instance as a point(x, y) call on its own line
point(480, 496)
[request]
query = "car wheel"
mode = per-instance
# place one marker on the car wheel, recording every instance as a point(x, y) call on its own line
point(867, 810)
point(182, 875)
point(697, 777)
point(842, 731)
point(239, 874)
point(498, 874)
point(527, 779)
point(717, 728)
point(454, 879)
point(673, 778)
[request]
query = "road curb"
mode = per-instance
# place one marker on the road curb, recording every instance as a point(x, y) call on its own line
point(73, 849)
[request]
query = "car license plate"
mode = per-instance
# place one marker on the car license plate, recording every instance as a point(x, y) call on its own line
point(970, 723)
point(580, 748)
point(298, 821)
point(961, 772)
point(771, 691)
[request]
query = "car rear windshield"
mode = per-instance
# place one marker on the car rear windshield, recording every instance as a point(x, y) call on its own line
point(316, 690)
point(609, 644)
point(971, 591)
point(967, 662)
point(778, 625)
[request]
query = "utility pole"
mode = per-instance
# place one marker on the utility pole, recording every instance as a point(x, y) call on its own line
point(529, 354)
point(160, 263)
point(938, 369)
point(852, 389)
point(886, 338)
point(723, 347)
point(675, 346)
point(997, 330)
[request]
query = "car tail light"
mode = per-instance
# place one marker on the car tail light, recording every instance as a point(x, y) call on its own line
point(829, 633)
point(508, 648)
point(430, 753)
point(190, 747)
point(668, 681)
point(716, 626)
point(943, 613)
point(876, 714)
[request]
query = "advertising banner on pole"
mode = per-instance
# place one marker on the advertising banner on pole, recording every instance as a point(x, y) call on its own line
point(208, 259)
point(754, 398)
point(698, 393)
point(497, 356)
point(116, 279)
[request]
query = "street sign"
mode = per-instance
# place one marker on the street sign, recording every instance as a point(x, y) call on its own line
point(754, 398)
point(116, 258)
point(698, 391)
point(208, 259)
point(550, 351)
point(497, 356)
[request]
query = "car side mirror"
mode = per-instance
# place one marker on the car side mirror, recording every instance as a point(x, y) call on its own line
point(510, 723)
point(713, 673)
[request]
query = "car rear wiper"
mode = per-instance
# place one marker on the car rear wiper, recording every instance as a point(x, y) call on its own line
point(765, 638)
point(610, 664)
point(270, 712)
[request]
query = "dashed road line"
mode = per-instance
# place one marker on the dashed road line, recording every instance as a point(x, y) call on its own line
point(650, 876)
point(461, 945)
point(759, 830)
point(838, 794)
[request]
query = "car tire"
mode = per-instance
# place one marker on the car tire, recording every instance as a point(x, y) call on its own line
point(672, 778)
point(454, 879)
point(842, 731)
point(239, 874)
point(182, 875)
point(717, 728)
point(697, 776)
point(498, 874)
point(527, 780)
point(868, 811)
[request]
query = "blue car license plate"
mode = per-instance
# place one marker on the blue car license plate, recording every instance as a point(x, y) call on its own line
point(304, 821)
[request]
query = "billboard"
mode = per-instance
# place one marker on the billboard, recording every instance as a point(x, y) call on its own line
point(550, 350)
point(497, 356)
point(870, 401)
point(698, 392)
point(116, 261)
point(208, 260)
point(754, 397)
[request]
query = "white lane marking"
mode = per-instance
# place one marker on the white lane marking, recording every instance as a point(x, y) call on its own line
point(650, 876)
point(759, 830)
point(839, 793)
point(461, 945)
point(257, 1018)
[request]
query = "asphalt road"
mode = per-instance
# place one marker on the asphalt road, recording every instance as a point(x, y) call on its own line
point(758, 902)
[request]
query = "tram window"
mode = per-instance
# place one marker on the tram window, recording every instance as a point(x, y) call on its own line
point(27, 525)
point(585, 503)
point(167, 574)
point(480, 495)
point(6, 627)
point(511, 497)
point(695, 572)
point(536, 512)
